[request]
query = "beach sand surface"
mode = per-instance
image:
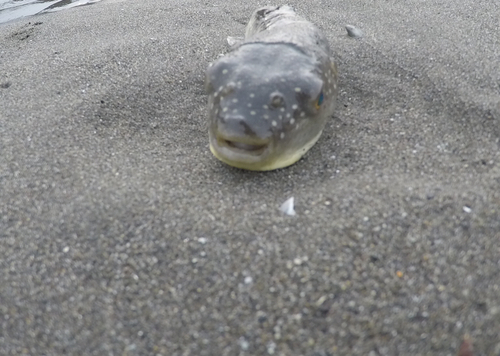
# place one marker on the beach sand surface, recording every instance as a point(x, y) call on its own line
point(120, 233)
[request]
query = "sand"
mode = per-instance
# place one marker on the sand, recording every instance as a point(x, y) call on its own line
point(120, 233)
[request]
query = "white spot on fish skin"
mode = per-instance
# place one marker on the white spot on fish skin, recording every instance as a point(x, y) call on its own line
point(302, 114)
point(274, 123)
point(292, 120)
point(252, 112)
point(288, 115)
point(224, 110)
point(266, 80)
point(295, 106)
point(224, 71)
point(280, 117)
point(282, 135)
point(238, 84)
point(283, 80)
point(298, 90)
point(266, 117)
point(235, 100)
point(249, 105)
point(252, 95)
point(216, 111)
point(265, 107)
point(282, 109)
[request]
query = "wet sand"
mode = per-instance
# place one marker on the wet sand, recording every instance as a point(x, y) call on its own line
point(120, 234)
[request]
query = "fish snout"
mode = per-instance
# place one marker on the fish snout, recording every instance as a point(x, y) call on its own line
point(232, 123)
point(238, 125)
point(234, 136)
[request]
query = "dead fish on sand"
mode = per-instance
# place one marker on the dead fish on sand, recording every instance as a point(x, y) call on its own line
point(271, 96)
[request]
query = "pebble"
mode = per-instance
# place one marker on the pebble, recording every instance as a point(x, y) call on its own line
point(353, 31)
point(271, 347)
point(244, 344)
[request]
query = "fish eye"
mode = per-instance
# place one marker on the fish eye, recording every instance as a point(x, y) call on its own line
point(320, 100)
point(277, 100)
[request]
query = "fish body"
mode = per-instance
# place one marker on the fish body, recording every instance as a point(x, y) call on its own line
point(270, 97)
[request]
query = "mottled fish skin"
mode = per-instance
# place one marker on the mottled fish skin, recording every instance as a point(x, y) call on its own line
point(270, 97)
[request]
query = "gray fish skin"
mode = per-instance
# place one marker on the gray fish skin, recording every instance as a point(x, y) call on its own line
point(270, 97)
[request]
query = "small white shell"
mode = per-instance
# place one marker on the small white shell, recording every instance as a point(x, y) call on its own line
point(287, 207)
point(354, 31)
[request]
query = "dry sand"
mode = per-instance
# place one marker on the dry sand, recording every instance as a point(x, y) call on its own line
point(120, 234)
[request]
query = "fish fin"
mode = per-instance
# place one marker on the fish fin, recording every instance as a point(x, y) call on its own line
point(233, 41)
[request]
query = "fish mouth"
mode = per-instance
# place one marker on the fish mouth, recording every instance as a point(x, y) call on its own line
point(239, 151)
point(242, 147)
point(255, 155)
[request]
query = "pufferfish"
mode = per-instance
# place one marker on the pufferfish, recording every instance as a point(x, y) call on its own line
point(270, 97)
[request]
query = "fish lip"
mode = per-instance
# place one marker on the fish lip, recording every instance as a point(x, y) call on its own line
point(240, 149)
point(255, 150)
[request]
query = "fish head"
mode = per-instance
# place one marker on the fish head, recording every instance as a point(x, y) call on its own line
point(267, 105)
